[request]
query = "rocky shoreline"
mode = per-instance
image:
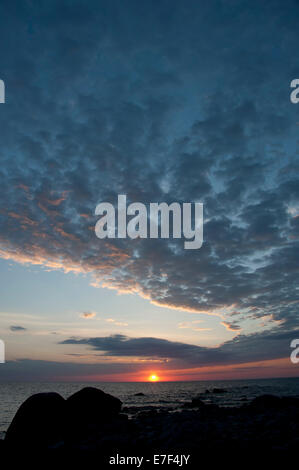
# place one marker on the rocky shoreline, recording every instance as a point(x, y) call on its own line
point(92, 422)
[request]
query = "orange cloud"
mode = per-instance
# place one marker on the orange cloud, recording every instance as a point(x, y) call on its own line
point(88, 315)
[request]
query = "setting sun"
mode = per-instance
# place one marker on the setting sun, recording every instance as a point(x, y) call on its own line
point(153, 378)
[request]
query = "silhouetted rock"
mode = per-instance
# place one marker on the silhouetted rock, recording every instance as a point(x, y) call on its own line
point(91, 405)
point(90, 423)
point(265, 402)
point(139, 394)
point(38, 422)
point(196, 402)
point(219, 390)
point(290, 402)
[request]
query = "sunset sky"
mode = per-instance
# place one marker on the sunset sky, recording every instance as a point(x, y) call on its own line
point(162, 101)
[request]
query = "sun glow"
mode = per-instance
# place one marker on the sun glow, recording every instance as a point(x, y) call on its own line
point(153, 378)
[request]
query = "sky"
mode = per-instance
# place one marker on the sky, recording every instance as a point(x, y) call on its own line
point(162, 101)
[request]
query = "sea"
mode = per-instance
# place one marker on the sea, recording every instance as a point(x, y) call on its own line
point(143, 396)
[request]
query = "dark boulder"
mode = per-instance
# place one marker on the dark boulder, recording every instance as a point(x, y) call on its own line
point(265, 402)
point(219, 390)
point(38, 422)
point(290, 402)
point(139, 394)
point(91, 405)
point(195, 403)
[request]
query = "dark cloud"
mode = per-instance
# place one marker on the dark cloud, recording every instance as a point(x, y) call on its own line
point(242, 349)
point(233, 326)
point(17, 328)
point(27, 370)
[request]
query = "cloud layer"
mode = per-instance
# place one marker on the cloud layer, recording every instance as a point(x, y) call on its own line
point(242, 349)
point(161, 102)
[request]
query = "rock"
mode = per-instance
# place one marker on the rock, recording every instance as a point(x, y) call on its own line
point(290, 402)
point(38, 422)
point(219, 390)
point(265, 402)
point(91, 405)
point(195, 403)
point(139, 394)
